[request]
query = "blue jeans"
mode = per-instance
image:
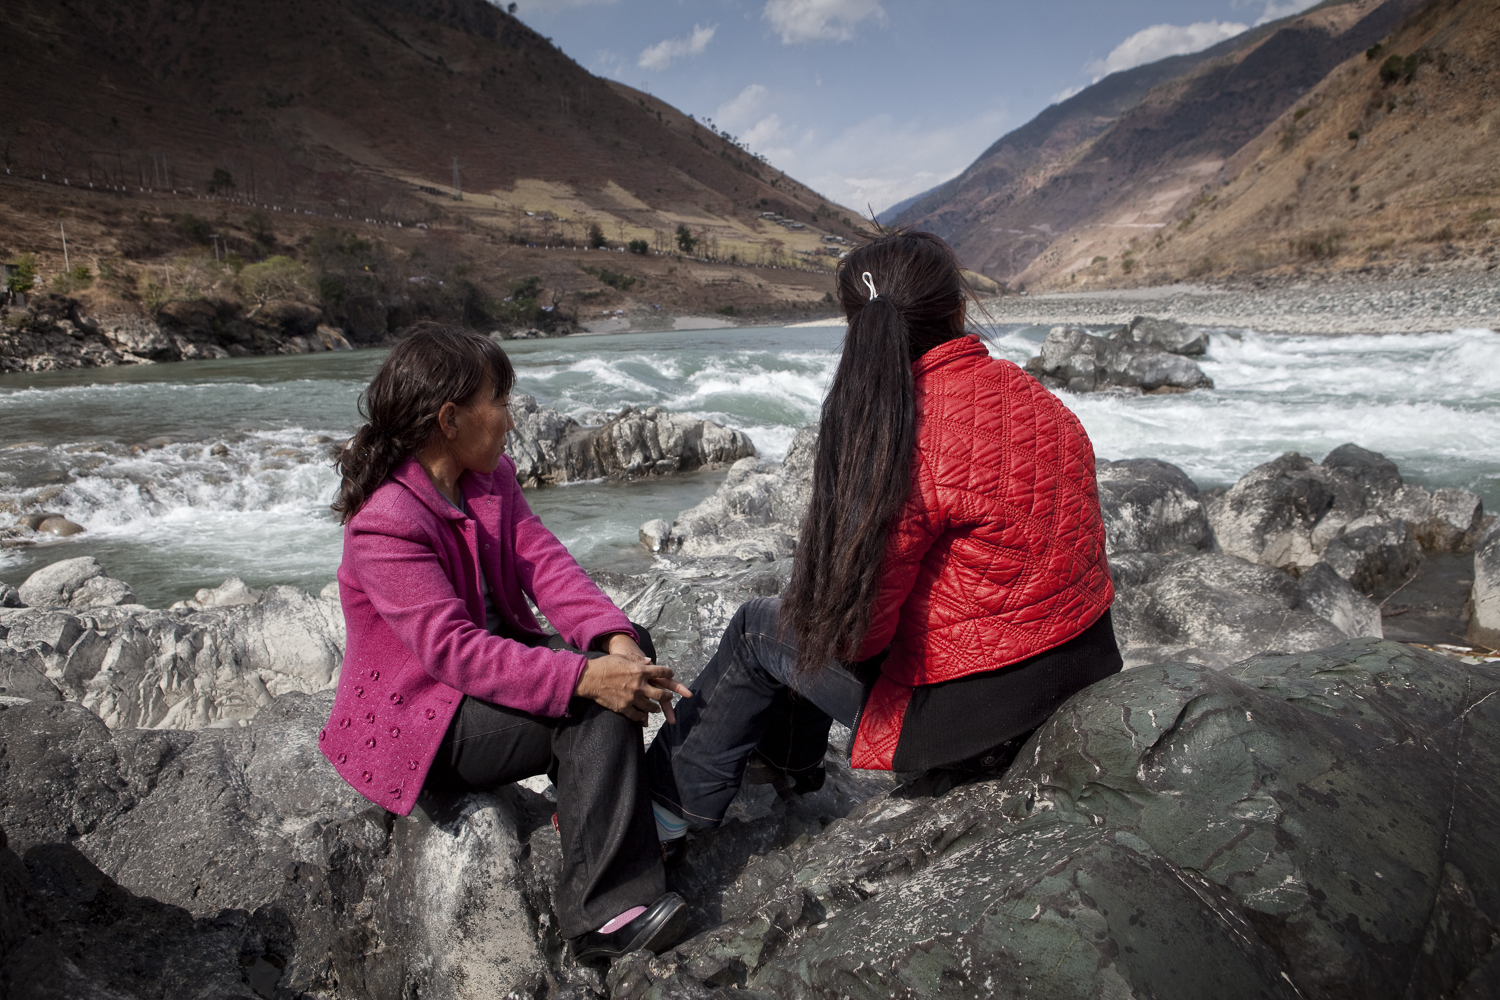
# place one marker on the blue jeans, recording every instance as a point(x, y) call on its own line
point(747, 698)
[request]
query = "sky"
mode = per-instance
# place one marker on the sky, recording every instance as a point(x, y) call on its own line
point(873, 101)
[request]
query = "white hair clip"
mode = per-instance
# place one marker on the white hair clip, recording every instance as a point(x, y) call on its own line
point(870, 284)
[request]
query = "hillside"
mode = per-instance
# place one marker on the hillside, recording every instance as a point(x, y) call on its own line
point(364, 115)
point(1098, 174)
point(1388, 167)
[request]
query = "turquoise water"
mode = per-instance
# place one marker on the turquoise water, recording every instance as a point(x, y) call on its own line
point(130, 452)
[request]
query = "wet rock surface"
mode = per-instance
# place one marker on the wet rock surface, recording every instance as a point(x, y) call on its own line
point(1293, 826)
point(550, 448)
point(1079, 361)
point(1484, 625)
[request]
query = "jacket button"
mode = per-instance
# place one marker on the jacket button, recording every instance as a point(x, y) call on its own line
point(396, 699)
point(370, 743)
point(344, 724)
point(395, 731)
point(413, 765)
point(369, 716)
point(322, 735)
point(374, 675)
point(396, 793)
point(359, 692)
point(343, 758)
point(431, 714)
point(368, 777)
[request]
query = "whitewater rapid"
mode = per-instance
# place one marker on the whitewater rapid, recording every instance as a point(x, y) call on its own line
point(184, 474)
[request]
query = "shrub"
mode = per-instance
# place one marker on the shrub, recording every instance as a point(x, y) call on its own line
point(1316, 246)
point(596, 236)
point(613, 279)
point(686, 241)
point(221, 182)
point(1390, 70)
point(639, 246)
point(274, 278)
point(21, 277)
point(192, 227)
point(75, 280)
point(726, 310)
point(1373, 52)
point(1354, 135)
point(258, 225)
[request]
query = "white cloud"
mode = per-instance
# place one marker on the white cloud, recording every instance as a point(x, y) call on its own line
point(747, 117)
point(819, 20)
point(1277, 9)
point(1162, 40)
point(1065, 93)
point(666, 52)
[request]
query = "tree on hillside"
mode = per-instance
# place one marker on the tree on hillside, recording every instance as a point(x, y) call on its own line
point(274, 278)
point(686, 241)
point(222, 182)
point(596, 236)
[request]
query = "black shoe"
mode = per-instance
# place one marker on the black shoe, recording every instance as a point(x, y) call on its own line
point(786, 781)
point(674, 853)
point(656, 930)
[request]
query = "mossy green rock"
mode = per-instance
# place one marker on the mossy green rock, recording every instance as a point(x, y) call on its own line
point(1319, 825)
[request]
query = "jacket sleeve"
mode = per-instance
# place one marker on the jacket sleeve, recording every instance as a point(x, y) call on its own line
point(573, 604)
point(407, 585)
point(914, 531)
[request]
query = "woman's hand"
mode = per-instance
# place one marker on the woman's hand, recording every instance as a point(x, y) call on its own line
point(629, 683)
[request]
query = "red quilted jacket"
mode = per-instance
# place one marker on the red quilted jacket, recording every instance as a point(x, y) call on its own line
point(999, 552)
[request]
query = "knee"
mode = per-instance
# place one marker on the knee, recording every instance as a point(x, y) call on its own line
point(608, 724)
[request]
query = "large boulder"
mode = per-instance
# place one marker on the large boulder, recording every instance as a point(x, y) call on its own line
point(74, 583)
point(1167, 334)
point(170, 864)
point(1216, 609)
point(176, 669)
point(1078, 361)
point(1484, 615)
point(1353, 511)
point(550, 448)
point(1301, 826)
point(1150, 506)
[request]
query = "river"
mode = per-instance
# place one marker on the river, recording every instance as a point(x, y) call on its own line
point(186, 473)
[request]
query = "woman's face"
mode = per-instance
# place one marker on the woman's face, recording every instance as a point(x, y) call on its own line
point(481, 425)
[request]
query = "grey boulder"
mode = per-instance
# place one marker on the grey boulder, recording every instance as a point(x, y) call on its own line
point(1484, 618)
point(74, 583)
point(1150, 506)
point(550, 448)
point(1078, 361)
point(1167, 334)
point(1302, 826)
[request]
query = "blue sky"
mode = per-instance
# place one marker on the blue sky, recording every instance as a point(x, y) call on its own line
point(871, 101)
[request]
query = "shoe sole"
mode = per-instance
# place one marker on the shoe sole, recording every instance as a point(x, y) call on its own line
point(656, 936)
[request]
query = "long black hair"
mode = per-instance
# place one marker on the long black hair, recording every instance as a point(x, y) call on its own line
point(863, 466)
point(435, 364)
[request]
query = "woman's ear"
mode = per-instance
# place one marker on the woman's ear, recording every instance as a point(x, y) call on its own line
point(447, 420)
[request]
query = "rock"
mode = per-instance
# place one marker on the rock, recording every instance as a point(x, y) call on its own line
point(10, 597)
point(1150, 506)
point(1217, 609)
point(1167, 334)
point(1329, 596)
point(757, 512)
point(59, 526)
point(83, 641)
point(1292, 827)
point(655, 533)
point(53, 333)
point(1080, 362)
point(1374, 553)
point(1376, 474)
point(550, 448)
point(331, 339)
point(73, 583)
point(176, 861)
point(1484, 619)
point(233, 592)
point(1456, 520)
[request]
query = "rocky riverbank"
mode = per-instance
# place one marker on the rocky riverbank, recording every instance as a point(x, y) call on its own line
point(1312, 306)
point(171, 827)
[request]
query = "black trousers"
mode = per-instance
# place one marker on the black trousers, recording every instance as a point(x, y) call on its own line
point(610, 857)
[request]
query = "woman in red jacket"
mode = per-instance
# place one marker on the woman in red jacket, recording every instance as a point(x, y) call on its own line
point(950, 589)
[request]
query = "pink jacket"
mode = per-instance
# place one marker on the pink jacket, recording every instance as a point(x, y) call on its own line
point(414, 608)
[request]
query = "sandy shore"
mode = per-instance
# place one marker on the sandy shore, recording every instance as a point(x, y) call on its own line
point(1408, 305)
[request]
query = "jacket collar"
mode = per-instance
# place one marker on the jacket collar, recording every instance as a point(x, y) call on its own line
point(968, 346)
point(411, 475)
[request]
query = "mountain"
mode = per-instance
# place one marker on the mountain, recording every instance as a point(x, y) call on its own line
point(1386, 167)
point(1116, 161)
point(409, 111)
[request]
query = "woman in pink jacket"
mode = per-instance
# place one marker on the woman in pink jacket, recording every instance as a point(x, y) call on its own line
point(449, 684)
